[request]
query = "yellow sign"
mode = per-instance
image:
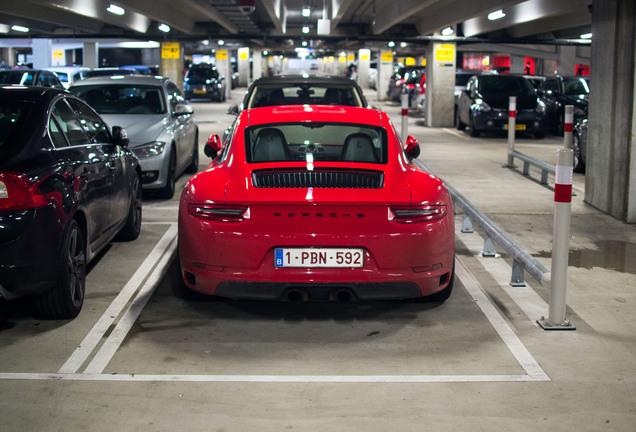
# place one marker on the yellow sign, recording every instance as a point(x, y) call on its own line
point(365, 55)
point(221, 54)
point(244, 53)
point(387, 56)
point(351, 57)
point(170, 50)
point(58, 54)
point(445, 53)
point(410, 61)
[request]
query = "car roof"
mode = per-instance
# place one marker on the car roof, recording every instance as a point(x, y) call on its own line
point(318, 113)
point(303, 78)
point(27, 93)
point(123, 79)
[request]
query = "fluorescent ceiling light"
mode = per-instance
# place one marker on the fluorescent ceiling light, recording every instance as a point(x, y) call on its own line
point(117, 10)
point(20, 29)
point(448, 31)
point(164, 28)
point(496, 15)
point(305, 29)
point(586, 36)
point(306, 11)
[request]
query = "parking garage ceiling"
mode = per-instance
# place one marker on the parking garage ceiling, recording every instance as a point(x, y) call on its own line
point(276, 24)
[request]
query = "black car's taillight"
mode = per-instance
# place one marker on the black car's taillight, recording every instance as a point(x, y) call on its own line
point(219, 213)
point(414, 214)
point(18, 192)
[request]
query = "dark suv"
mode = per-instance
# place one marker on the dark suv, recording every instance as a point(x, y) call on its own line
point(558, 91)
point(204, 83)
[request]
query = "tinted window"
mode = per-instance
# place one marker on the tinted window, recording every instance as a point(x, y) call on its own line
point(576, 86)
point(16, 77)
point(300, 94)
point(312, 142)
point(123, 98)
point(67, 123)
point(505, 85)
point(175, 95)
point(93, 125)
point(201, 75)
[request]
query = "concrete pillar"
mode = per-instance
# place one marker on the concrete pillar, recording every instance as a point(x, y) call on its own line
point(257, 65)
point(42, 53)
point(610, 179)
point(385, 70)
point(224, 67)
point(517, 64)
point(566, 60)
point(90, 55)
point(364, 63)
point(244, 66)
point(440, 85)
point(172, 63)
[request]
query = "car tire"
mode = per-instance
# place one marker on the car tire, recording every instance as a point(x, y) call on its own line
point(472, 130)
point(194, 165)
point(167, 191)
point(65, 299)
point(458, 121)
point(577, 162)
point(132, 228)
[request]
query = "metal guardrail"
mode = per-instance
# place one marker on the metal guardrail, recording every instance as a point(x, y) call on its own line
point(545, 167)
point(522, 260)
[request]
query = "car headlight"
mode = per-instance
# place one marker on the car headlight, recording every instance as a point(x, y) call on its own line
point(540, 107)
point(149, 149)
point(481, 105)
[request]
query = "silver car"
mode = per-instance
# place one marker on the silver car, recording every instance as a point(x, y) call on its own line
point(161, 126)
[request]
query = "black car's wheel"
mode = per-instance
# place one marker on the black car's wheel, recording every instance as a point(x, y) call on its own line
point(472, 130)
point(458, 121)
point(133, 223)
point(66, 298)
point(167, 191)
point(194, 165)
point(577, 162)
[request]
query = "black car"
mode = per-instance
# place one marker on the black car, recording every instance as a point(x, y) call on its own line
point(404, 78)
point(204, 83)
point(579, 145)
point(484, 105)
point(68, 186)
point(300, 89)
point(30, 77)
point(558, 91)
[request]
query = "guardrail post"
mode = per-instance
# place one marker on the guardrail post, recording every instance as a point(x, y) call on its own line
point(489, 248)
point(560, 244)
point(467, 224)
point(517, 277)
point(404, 100)
point(512, 124)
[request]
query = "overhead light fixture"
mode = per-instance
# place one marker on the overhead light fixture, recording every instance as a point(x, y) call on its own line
point(20, 29)
point(221, 42)
point(164, 28)
point(448, 31)
point(391, 44)
point(586, 36)
point(117, 10)
point(305, 29)
point(496, 15)
point(306, 12)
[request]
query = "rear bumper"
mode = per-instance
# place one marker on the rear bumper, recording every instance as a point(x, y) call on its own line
point(494, 121)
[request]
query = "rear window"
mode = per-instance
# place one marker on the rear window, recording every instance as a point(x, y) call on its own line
point(123, 99)
point(505, 86)
point(16, 77)
point(201, 75)
point(314, 142)
point(10, 113)
point(301, 94)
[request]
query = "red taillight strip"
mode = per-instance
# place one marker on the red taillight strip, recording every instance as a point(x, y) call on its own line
point(414, 214)
point(219, 213)
point(18, 192)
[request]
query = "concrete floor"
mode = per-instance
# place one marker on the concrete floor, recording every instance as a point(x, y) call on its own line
point(139, 358)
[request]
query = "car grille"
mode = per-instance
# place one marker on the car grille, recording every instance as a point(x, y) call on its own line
point(319, 178)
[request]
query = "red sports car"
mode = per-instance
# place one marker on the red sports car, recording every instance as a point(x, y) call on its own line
point(316, 203)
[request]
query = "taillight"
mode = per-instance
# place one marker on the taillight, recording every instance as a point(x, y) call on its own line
point(219, 213)
point(414, 214)
point(17, 192)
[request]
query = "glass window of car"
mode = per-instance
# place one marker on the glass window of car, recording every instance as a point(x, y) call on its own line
point(65, 121)
point(93, 125)
point(300, 94)
point(174, 95)
point(312, 142)
point(575, 86)
point(122, 98)
point(505, 85)
point(201, 75)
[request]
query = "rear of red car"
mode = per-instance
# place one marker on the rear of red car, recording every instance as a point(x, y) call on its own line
point(317, 220)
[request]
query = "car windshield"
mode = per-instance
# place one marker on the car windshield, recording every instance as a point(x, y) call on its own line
point(301, 94)
point(576, 86)
point(505, 85)
point(122, 98)
point(201, 75)
point(10, 112)
point(312, 142)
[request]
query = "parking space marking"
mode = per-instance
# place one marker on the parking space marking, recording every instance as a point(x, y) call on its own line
point(95, 336)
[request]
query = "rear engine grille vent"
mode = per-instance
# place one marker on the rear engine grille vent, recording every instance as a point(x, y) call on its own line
point(323, 178)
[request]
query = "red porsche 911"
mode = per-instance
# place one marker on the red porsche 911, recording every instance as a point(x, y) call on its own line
point(316, 203)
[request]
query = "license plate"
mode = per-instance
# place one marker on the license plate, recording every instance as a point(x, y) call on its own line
point(204, 91)
point(319, 257)
point(517, 126)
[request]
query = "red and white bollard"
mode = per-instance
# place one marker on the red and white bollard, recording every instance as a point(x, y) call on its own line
point(568, 126)
point(560, 244)
point(512, 126)
point(404, 99)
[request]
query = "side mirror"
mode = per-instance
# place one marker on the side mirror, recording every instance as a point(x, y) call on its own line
point(233, 109)
point(120, 136)
point(412, 147)
point(183, 109)
point(212, 146)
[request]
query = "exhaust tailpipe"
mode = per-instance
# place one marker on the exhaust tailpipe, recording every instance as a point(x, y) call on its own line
point(343, 296)
point(295, 295)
